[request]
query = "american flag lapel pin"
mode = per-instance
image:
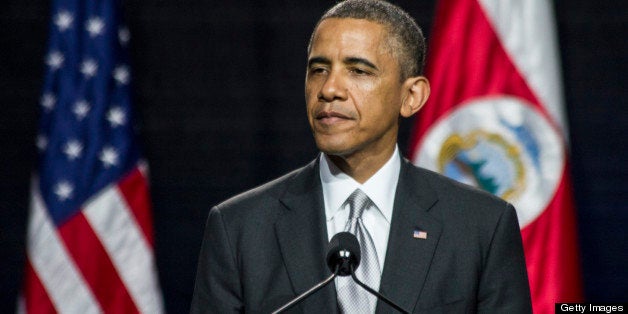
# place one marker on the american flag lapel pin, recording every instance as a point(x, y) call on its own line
point(419, 234)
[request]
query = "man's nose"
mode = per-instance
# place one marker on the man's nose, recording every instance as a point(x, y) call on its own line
point(334, 88)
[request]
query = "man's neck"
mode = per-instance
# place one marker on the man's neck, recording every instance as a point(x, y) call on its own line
point(362, 167)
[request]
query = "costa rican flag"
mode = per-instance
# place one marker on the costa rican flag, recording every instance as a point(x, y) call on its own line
point(495, 120)
point(90, 238)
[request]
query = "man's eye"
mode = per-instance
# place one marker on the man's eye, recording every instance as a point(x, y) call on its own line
point(317, 70)
point(359, 71)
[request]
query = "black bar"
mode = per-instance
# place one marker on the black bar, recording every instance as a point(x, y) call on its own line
point(591, 307)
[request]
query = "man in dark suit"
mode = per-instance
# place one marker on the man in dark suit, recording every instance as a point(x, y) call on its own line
point(432, 245)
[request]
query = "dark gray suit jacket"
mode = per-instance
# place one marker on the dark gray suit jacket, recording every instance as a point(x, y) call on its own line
point(267, 245)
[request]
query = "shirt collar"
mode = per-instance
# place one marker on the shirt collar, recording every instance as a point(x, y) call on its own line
point(380, 188)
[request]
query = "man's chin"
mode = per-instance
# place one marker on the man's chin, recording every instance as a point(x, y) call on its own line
point(335, 151)
point(341, 146)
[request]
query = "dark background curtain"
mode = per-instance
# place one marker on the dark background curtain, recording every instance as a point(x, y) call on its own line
point(219, 92)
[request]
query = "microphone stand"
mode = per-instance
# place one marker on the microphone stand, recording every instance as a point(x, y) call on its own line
point(377, 294)
point(307, 293)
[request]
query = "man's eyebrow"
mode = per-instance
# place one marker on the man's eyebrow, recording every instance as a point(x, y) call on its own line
point(320, 60)
point(358, 60)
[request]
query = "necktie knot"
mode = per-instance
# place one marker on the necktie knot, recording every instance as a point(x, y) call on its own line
point(358, 202)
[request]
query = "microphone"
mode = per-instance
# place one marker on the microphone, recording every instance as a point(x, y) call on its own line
point(343, 253)
point(341, 256)
point(347, 259)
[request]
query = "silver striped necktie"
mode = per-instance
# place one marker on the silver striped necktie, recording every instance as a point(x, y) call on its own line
point(351, 297)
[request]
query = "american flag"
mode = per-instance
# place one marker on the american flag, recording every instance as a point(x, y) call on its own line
point(89, 242)
point(419, 234)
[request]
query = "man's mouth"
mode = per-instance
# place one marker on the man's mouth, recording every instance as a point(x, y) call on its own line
point(331, 116)
point(324, 115)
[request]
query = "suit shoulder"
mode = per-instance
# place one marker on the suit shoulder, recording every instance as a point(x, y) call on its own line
point(460, 195)
point(463, 209)
point(264, 194)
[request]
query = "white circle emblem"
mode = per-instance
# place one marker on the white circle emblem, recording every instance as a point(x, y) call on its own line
point(501, 145)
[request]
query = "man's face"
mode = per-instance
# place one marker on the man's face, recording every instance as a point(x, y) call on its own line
point(353, 89)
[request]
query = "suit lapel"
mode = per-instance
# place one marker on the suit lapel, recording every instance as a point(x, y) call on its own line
point(408, 255)
point(302, 236)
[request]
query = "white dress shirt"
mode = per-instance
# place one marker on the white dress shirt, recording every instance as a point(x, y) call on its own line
point(380, 188)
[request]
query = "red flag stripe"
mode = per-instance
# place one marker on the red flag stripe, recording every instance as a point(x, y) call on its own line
point(526, 30)
point(53, 265)
point(35, 292)
point(134, 188)
point(94, 263)
point(98, 260)
point(552, 253)
point(130, 252)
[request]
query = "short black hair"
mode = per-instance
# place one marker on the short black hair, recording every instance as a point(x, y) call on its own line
point(406, 38)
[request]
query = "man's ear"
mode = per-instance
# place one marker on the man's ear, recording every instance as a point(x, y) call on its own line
point(416, 91)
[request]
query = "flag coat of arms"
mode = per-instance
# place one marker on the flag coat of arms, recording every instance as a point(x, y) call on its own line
point(89, 241)
point(495, 120)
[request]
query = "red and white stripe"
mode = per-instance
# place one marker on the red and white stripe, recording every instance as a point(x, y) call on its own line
point(100, 260)
point(526, 31)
